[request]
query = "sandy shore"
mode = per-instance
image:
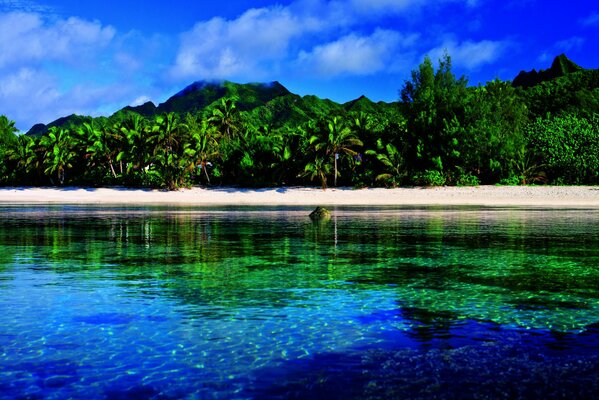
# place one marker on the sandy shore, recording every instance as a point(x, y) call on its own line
point(539, 196)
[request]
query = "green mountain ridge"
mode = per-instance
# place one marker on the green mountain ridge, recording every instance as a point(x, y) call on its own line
point(561, 66)
point(62, 122)
point(265, 104)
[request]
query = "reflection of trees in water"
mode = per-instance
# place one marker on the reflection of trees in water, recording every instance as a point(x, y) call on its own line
point(523, 259)
point(200, 259)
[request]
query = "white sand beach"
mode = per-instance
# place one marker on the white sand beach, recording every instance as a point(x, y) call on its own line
point(537, 196)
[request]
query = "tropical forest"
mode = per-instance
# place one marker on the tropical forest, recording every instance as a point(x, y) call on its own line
point(540, 128)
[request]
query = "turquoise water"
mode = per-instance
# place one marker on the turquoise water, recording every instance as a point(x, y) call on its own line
point(262, 303)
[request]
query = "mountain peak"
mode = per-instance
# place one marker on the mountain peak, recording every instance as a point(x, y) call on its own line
point(146, 109)
point(362, 103)
point(199, 86)
point(198, 96)
point(561, 66)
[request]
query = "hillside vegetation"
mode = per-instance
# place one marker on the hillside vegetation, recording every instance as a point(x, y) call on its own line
point(541, 128)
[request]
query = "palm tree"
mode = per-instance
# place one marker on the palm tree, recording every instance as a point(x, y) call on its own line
point(14, 159)
point(22, 152)
point(99, 145)
point(393, 161)
point(136, 152)
point(166, 137)
point(59, 154)
point(118, 144)
point(281, 156)
point(7, 140)
point(7, 130)
point(332, 140)
point(201, 147)
point(29, 155)
point(318, 168)
point(225, 118)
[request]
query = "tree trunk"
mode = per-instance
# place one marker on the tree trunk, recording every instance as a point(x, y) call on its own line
point(205, 168)
point(112, 168)
point(335, 182)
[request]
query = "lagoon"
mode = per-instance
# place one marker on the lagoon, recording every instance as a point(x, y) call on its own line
point(259, 302)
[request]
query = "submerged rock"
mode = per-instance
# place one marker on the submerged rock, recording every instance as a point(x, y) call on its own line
point(320, 214)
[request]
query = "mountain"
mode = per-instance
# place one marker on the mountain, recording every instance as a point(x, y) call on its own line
point(68, 122)
point(200, 95)
point(561, 66)
point(261, 104)
point(147, 109)
point(563, 88)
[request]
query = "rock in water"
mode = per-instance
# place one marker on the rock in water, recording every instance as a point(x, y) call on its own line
point(320, 214)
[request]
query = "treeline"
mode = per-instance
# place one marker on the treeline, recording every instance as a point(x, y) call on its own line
point(443, 133)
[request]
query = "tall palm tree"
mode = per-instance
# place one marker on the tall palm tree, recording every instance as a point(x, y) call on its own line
point(136, 153)
point(225, 118)
point(393, 161)
point(99, 148)
point(166, 137)
point(14, 159)
point(118, 144)
point(318, 168)
point(7, 130)
point(7, 140)
point(59, 152)
point(22, 152)
point(32, 153)
point(201, 147)
point(332, 139)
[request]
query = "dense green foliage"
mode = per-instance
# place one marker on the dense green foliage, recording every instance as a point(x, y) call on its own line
point(568, 146)
point(7, 141)
point(442, 132)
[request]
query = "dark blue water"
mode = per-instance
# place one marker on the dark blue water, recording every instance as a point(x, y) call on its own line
point(262, 303)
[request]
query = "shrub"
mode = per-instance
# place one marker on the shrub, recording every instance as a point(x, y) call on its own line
point(430, 178)
point(468, 180)
point(513, 180)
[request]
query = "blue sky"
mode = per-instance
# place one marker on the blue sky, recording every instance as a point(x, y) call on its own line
point(94, 57)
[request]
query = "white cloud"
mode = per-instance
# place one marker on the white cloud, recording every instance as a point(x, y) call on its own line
point(261, 42)
point(377, 7)
point(127, 62)
point(355, 55)
point(591, 20)
point(29, 96)
point(50, 68)
point(573, 43)
point(218, 48)
point(471, 55)
point(36, 83)
point(140, 101)
point(27, 38)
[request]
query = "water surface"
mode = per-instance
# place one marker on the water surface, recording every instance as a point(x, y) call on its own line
point(113, 302)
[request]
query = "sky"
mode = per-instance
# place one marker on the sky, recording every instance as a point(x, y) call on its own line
point(94, 57)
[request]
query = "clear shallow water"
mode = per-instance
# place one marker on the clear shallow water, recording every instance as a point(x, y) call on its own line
point(262, 303)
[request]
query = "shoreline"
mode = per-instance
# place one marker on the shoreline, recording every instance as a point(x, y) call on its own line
point(498, 196)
